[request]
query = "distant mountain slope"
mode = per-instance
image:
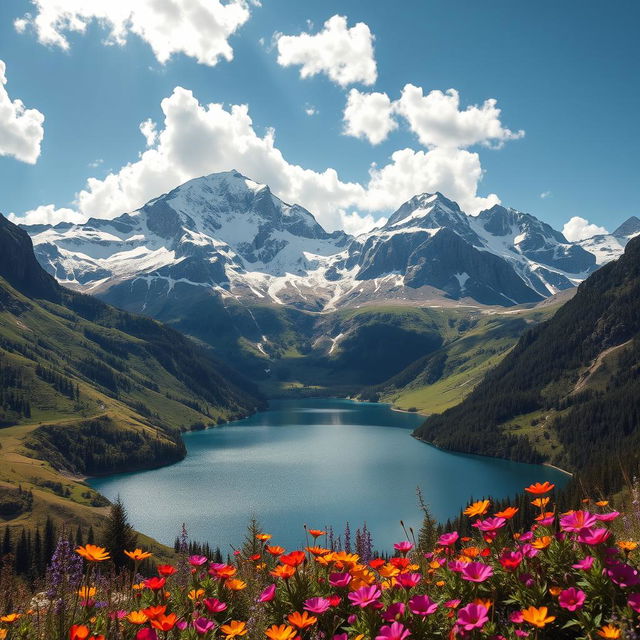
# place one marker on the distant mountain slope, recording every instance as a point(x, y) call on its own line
point(569, 392)
point(89, 389)
point(611, 246)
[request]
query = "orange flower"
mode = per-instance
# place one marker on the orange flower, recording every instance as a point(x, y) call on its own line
point(602, 503)
point(275, 551)
point(282, 632)
point(263, 536)
point(388, 571)
point(487, 604)
point(195, 594)
point(470, 552)
point(546, 514)
point(542, 542)
point(539, 489)
point(554, 591)
point(477, 508)
point(627, 545)
point(301, 620)
point(138, 586)
point(317, 551)
point(155, 611)
point(507, 513)
point(316, 533)
point(283, 571)
point(93, 553)
point(138, 555)
point(225, 571)
point(10, 618)
point(609, 631)
point(293, 559)
point(137, 617)
point(78, 632)
point(540, 502)
point(233, 629)
point(235, 585)
point(537, 617)
point(164, 622)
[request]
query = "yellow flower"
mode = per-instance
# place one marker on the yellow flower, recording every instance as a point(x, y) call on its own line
point(609, 631)
point(138, 587)
point(537, 616)
point(602, 503)
point(627, 545)
point(540, 502)
point(542, 543)
point(138, 555)
point(10, 618)
point(477, 508)
point(137, 617)
point(388, 571)
point(263, 536)
point(195, 594)
point(3, 634)
point(87, 592)
point(233, 629)
point(93, 553)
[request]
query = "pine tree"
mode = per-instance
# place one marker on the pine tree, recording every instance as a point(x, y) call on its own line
point(7, 547)
point(428, 534)
point(251, 544)
point(119, 535)
point(49, 542)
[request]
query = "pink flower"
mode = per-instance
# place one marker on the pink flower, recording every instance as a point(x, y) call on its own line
point(516, 617)
point(182, 625)
point(528, 551)
point(634, 602)
point(341, 636)
point(477, 572)
point(394, 631)
point(577, 520)
point(408, 580)
point(403, 547)
point(203, 625)
point(339, 579)
point(545, 522)
point(490, 524)
point(422, 605)
point(393, 611)
point(365, 596)
point(510, 559)
point(622, 574)
point(268, 594)
point(452, 604)
point(457, 565)
point(593, 537)
point(448, 539)
point(571, 599)
point(197, 561)
point(316, 605)
point(147, 634)
point(473, 616)
point(585, 564)
point(607, 517)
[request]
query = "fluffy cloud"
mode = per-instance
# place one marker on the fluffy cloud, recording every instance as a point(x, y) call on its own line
point(345, 55)
point(580, 229)
point(545, 194)
point(47, 214)
point(369, 115)
point(198, 28)
point(21, 129)
point(197, 139)
point(438, 121)
point(148, 130)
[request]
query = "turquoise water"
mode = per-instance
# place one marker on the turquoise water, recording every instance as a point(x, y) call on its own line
point(315, 461)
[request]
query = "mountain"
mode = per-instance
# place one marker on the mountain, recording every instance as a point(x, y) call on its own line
point(607, 247)
point(572, 380)
point(89, 389)
point(227, 237)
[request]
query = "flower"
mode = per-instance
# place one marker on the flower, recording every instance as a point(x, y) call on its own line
point(138, 555)
point(268, 594)
point(476, 572)
point(293, 559)
point(448, 539)
point(316, 533)
point(607, 517)
point(197, 560)
point(301, 620)
point(195, 594)
point(263, 536)
point(166, 570)
point(473, 616)
point(577, 520)
point(282, 632)
point(627, 545)
point(403, 547)
point(490, 524)
point(146, 634)
point(137, 617)
point(507, 513)
point(538, 488)
point(542, 543)
point(572, 599)
point(609, 631)
point(477, 508)
point(93, 553)
point(155, 611)
point(233, 629)
point(537, 616)
point(164, 622)
point(510, 559)
point(634, 602)
point(593, 537)
point(622, 574)
point(203, 625)
point(77, 631)
point(393, 611)
point(155, 584)
point(283, 571)
point(422, 605)
point(394, 631)
point(86, 592)
point(408, 580)
point(339, 579)
point(274, 550)
point(585, 564)
point(316, 605)
point(235, 585)
point(365, 596)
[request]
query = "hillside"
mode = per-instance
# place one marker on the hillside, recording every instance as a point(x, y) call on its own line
point(572, 380)
point(88, 389)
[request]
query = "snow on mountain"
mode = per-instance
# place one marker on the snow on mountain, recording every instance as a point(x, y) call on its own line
point(607, 247)
point(228, 236)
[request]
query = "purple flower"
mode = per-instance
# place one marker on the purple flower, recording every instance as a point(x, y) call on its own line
point(477, 572)
point(393, 611)
point(422, 605)
point(197, 561)
point(203, 625)
point(634, 602)
point(394, 631)
point(339, 579)
point(365, 596)
point(622, 574)
point(571, 599)
point(473, 616)
point(316, 605)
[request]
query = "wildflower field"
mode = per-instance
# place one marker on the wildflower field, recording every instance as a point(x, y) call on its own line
point(566, 576)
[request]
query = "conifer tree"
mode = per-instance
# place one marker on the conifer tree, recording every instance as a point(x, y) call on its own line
point(119, 535)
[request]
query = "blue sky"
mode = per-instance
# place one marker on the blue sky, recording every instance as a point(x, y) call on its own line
point(564, 72)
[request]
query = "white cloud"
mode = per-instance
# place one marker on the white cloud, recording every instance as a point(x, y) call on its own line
point(369, 115)
point(148, 130)
point(355, 223)
point(438, 121)
point(580, 229)
point(198, 28)
point(310, 110)
point(545, 194)
point(197, 139)
point(21, 129)
point(344, 54)
point(47, 214)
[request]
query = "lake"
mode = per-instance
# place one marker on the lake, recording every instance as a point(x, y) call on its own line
point(315, 461)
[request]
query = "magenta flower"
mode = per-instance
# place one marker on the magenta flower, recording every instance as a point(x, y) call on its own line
point(422, 605)
point(593, 537)
point(182, 625)
point(510, 560)
point(147, 634)
point(452, 604)
point(622, 574)
point(214, 605)
point(490, 524)
point(317, 605)
point(339, 579)
point(516, 617)
point(577, 520)
point(268, 594)
point(448, 539)
point(634, 602)
point(607, 517)
point(395, 631)
point(365, 596)
point(473, 616)
point(393, 612)
point(403, 547)
point(197, 561)
point(203, 625)
point(545, 522)
point(571, 599)
point(477, 572)
point(457, 565)
point(585, 564)
point(341, 636)
point(408, 580)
